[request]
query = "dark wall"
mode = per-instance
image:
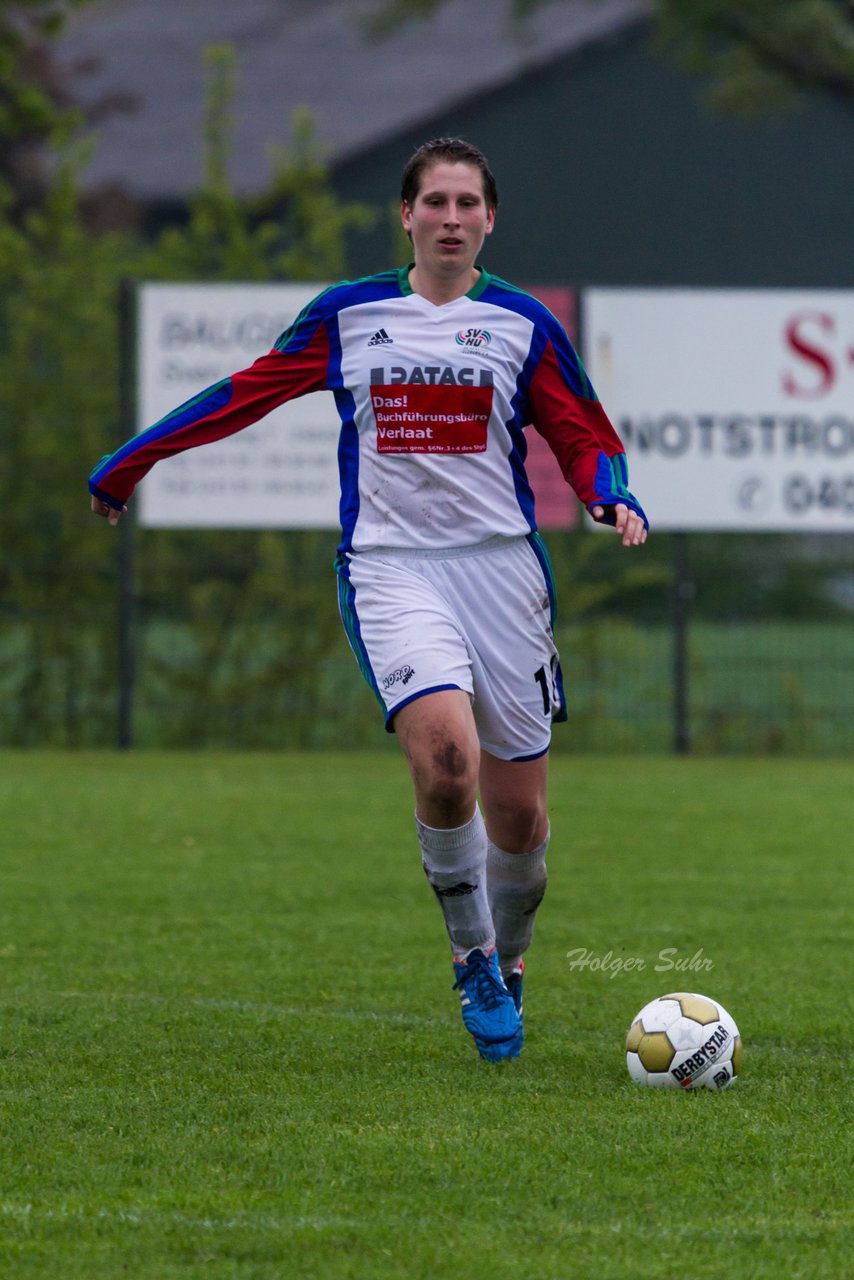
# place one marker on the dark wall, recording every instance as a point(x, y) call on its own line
point(612, 171)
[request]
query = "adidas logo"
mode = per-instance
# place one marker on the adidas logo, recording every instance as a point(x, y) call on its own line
point(380, 339)
point(461, 890)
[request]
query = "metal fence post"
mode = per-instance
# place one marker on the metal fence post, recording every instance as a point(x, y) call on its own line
point(126, 637)
point(683, 591)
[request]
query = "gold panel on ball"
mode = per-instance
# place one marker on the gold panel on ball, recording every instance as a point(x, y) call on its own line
point(655, 1051)
point(634, 1037)
point(696, 1007)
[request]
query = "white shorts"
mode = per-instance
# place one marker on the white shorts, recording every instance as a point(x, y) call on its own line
point(473, 618)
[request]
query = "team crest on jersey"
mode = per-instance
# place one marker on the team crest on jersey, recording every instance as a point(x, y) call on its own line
point(473, 339)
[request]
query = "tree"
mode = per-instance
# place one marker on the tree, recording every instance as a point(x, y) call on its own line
point(760, 54)
point(295, 229)
point(59, 410)
point(58, 393)
point(34, 106)
point(244, 639)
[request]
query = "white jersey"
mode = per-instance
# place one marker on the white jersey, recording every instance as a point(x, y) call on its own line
point(433, 403)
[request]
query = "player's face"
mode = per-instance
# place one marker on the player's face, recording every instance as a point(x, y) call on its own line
point(449, 219)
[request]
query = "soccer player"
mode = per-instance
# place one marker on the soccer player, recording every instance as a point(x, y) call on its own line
point(445, 587)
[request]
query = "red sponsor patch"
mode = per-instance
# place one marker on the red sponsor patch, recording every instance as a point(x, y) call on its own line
point(429, 419)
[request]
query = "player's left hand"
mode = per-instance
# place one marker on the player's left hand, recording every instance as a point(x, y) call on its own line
point(103, 509)
point(628, 524)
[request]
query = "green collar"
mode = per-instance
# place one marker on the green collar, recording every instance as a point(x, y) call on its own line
point(474, 292)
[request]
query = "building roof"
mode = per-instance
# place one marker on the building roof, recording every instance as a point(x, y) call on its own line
point(147, 55)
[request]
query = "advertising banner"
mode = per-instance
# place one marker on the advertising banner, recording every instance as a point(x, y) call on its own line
point(736, 406)
point(280, 473)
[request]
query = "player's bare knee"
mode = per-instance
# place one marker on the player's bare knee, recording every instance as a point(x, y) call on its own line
point(450, 763)
point(453, 788)
point(519, 827)
point(449, 778)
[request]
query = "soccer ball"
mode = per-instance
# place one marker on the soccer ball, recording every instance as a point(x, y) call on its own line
point(683, 1040)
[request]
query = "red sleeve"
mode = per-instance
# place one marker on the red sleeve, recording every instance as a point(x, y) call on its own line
point(579, 434)
point(219, 411)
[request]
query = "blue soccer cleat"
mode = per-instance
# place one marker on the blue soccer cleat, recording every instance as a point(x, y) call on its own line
point(513, 981)
point(488, 1010)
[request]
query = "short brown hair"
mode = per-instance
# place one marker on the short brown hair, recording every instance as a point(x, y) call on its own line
point(453, 151)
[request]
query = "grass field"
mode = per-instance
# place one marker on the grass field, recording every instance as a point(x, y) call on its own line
point(229, 1048)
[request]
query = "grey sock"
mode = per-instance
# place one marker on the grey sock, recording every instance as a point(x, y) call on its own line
point(455, 864)
point(516, 885)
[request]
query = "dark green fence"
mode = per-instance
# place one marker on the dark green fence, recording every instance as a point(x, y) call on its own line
point(703, 643)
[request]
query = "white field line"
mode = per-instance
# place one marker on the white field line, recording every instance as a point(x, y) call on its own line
point(775, 1226)
point(29, 1213)
point(248, 1006)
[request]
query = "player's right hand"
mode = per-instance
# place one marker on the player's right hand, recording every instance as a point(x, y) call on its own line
point(104, 509)
point(627, 523)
